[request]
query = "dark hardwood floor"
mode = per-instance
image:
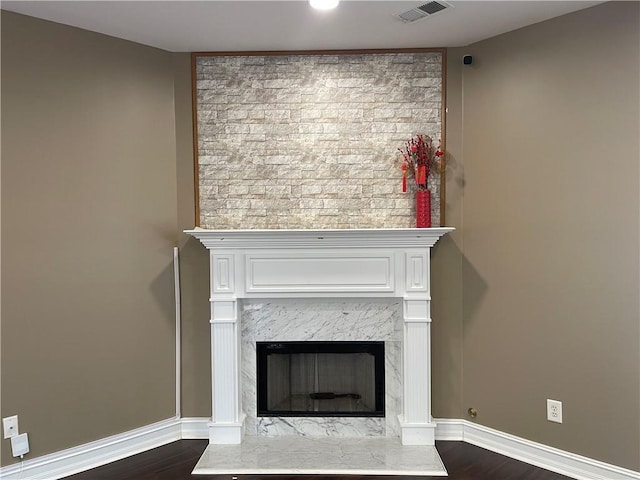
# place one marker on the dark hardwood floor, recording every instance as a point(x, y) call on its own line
point(176, 460)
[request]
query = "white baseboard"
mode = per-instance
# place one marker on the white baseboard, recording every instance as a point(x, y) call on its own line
point(195, 428)
point(448, 429)
point(94, 454)
point(549, 458)
point(84, 457)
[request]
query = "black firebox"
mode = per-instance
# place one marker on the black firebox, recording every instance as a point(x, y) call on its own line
point(320, 379)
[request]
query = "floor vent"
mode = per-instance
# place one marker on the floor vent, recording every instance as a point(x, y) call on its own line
point(423, 11)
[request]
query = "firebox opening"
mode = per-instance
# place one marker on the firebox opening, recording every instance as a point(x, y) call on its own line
point(321, 379)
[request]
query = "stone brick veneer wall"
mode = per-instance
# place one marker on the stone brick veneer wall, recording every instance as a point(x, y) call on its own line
point(310, 141)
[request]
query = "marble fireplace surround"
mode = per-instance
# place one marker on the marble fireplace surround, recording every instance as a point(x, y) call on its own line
point(255, 275)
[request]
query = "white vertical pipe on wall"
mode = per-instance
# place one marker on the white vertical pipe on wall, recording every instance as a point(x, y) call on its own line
point(176, 289)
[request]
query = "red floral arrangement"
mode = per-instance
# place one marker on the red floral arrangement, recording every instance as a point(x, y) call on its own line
point(418, 159)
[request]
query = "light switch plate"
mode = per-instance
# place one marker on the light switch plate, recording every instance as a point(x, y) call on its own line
point(20, 445)
point(10, 426)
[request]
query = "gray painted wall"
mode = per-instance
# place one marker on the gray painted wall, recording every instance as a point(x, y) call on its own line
point(551, 231)
point(88, 225)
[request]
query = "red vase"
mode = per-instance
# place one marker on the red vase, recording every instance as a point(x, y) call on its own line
point(423, 209)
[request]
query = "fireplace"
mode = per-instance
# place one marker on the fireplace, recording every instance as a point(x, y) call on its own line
point(255, 273)
point(320, 379)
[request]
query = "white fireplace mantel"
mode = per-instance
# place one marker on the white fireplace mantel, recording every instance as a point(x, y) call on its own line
point(372, 237)
point(320, 263)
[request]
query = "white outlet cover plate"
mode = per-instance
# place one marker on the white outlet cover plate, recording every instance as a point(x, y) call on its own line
point(554, 410)
point(10, 426)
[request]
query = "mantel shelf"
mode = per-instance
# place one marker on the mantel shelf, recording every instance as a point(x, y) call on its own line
point(306, 238)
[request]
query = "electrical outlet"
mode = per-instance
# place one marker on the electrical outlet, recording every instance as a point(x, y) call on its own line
point(10, 426)
point(554, 410)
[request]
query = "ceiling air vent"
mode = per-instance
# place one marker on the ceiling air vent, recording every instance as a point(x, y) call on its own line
point(423, 11)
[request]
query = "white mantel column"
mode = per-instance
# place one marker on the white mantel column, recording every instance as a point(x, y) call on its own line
point(416, 424)
point(227, 419)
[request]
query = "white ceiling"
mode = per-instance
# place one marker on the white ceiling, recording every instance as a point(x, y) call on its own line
point(239, 25)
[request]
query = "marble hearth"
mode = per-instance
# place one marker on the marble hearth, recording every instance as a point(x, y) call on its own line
point(298, 285)
point(320, 456)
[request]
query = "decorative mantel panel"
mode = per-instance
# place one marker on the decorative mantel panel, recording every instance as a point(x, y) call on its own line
point(356, 263)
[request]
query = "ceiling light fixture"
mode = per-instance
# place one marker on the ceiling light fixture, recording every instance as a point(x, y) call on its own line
point(324, 4)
